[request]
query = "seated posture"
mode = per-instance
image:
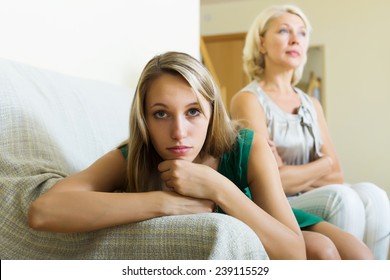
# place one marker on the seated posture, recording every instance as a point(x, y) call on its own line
point(293, 122)
point(182, 147)
point(184, 156)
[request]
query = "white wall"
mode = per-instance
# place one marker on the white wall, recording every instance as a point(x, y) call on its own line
point(356, 43)
point(109, 40)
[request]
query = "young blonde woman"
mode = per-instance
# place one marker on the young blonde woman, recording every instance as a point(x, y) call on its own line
point(181, 151)
point(184, 156)
point(294, 124)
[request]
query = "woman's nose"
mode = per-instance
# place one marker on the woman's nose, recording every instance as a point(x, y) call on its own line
point(294, 38)
point(179, 129)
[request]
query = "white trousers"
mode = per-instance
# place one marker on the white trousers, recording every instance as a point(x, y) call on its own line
point(361, 209)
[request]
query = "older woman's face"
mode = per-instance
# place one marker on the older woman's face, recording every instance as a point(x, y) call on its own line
point(285, 43)
point(177, 125)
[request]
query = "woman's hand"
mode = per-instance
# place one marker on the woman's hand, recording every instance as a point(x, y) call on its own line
point(191, 179)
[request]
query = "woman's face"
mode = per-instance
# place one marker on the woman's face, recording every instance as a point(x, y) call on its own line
point(285, 42)
point(174, 117)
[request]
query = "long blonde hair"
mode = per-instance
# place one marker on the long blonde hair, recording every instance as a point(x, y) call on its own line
point(142, 157)
point(253, 59)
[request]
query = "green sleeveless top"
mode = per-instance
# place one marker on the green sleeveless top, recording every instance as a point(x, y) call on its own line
point(234, 166)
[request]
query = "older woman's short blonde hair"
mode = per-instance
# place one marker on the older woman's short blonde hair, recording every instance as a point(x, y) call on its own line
point(142, 157)
point(253, 59)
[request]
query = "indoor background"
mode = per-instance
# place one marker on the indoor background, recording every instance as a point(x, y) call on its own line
point(353, 36)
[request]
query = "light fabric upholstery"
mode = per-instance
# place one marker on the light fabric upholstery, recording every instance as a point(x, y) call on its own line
point(53, 125)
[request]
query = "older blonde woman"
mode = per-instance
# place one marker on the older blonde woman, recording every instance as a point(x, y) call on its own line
point(294, 124)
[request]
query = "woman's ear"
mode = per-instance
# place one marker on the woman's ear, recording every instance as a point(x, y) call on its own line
point(262, 49)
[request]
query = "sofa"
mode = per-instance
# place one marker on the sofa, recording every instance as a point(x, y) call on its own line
point(53, 125)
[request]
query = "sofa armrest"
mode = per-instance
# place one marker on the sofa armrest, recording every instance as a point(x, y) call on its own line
point(187, 237)
point(198, 236)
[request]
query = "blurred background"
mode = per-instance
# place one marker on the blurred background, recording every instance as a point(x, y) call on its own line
point(348, 68)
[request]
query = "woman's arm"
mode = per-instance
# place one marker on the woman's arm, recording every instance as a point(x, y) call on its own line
point(85, 201)
point(282, 230)
point(269, 215)
point(301, 178)
point(295, 178)
point(335, 176)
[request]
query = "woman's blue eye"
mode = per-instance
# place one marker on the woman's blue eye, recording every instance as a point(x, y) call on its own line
point(283, 30)
point(160, 114)
point(193, 112)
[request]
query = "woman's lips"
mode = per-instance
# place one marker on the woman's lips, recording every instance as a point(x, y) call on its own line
point(293, 53)
point(179, 150)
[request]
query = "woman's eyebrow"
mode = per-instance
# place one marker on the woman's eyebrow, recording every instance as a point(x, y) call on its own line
point(289, 25)
point(158, 104)
point(193, 103)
